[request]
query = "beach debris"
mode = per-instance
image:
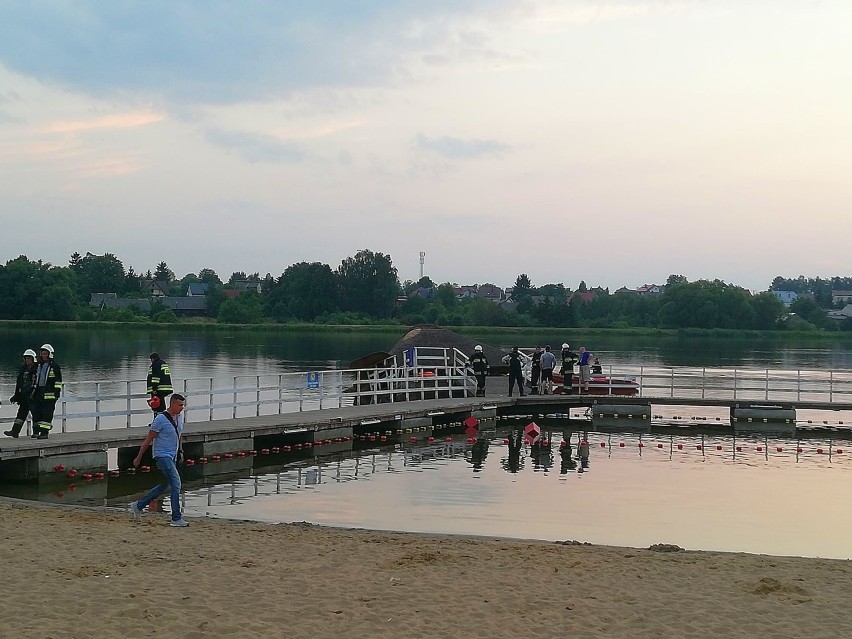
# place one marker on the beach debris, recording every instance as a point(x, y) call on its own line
point(768, 585)
point(665, 548)
point(574, 542)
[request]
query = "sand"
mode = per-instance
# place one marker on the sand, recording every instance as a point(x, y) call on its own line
point(74, 572)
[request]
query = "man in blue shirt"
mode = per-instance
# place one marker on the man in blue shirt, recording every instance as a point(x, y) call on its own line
point(164, 438)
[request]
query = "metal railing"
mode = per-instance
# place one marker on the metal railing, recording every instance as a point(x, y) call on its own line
point(95, 405)
point(432, 374)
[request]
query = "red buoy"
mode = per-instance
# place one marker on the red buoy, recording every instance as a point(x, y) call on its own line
point(412, 440)
point(819, 451)
point(680, 446)
point(603, 444)
point(839, 451)
point(145, 469)
point(228, 456)
point(99, 475)
point(621, 444)
point(718, 447)
point(562, 444)
point(87, 477)
point(778, 449)
point(384, 438)
point(449, 440)
point(242, 453)
point(190, 462)
point(641, 445)
point(307, 444)
point(760, 449)
point(739, 449)
point(698, 447)
point(659, 445)
point(72, 473)
point(263, 451)
point(430, 439)
point(286, 449)
point(202, 460)
point(252, 452)
point(216, 458)
point(798, 450)
point(506, 442)
point(59, 468)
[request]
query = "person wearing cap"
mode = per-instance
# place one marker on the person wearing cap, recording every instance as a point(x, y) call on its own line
point(548, 362)
point(479, 364)
point(159, 383)
point(569, 358)
point(48, 387)
point(23, 390)
point(516, 370)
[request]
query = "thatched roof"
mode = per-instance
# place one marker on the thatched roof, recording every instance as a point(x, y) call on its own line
point(435, 336)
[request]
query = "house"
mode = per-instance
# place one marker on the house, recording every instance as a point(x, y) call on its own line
point(179, 305)
point(490, 292)
point(841, 296)
point(155, 288)
point(786, 297)
point(247, 285)
point(625, 291)
point(423, 291)
point(465, 292)
point(840, 314)
point(651, 289)
point(583, 296)
point(197, 289)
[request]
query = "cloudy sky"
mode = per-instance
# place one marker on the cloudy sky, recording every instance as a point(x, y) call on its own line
point(614, 141)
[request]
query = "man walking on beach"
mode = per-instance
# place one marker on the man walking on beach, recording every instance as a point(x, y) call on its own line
point(166, 446)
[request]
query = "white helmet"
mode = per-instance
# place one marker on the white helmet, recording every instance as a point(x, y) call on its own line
point(565, 346)
point(30, 353)
point(48, 348)
point(477, 348)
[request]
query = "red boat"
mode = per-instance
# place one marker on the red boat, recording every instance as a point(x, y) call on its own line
point(599, 385)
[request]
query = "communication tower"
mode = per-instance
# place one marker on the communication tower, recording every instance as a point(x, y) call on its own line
point(422, 259)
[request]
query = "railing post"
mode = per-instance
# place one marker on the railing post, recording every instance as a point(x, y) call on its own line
point(766, 395)
point(97, 405)
point(798, 385)
point(211, 397)
point(735, 383)
point(703, 381)
point(830, 386)
point(322, 389)
point(64, 415)
point(257, 412)
point(641, 381)
point(129, 411)
point(234, 409)
point(671, 385)
point(280, 393)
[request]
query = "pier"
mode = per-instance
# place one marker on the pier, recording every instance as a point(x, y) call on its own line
point(329, 412)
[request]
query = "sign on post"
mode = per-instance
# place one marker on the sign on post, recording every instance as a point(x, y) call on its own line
point(313, 380)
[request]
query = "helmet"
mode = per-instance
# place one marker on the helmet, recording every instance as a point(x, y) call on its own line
point(477, 348)
point(48, 348)
point(565, 346)
point(30, 353)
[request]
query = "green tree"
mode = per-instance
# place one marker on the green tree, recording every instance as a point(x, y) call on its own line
point(244, 309)
point(676, 279)
point(208, 276)
point(368, 284)
point(445, 295)
point(98, 274)
point(523, 287)
point(304, 291)
point(163, 273)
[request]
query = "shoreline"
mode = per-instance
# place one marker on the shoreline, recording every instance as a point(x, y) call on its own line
point(94, 571)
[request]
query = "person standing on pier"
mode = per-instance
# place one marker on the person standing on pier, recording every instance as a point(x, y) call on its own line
point(48, 386)
point(165, 440)
point(479, 364)
point(569, 358)
point(548, 362)
point(23, 391)
point(159, 383)
point(516, 370)
point(585, 369)
point(535, 370)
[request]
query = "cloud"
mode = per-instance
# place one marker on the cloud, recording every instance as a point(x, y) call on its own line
point(256, 147)
point(218, 51)
point(120, 121)
point(457, 148)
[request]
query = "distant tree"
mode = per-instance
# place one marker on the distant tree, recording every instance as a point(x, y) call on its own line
point(523, 287)
point(131, 282)
point(304, 291)
point(675, 279)
point(368, 284)
point(237, 276)
point(99, 274)
point(208, 276)
point(163, 273)
point(768, 310)
point(445, 295)
point(74, 262)
point(245, 309)
point(556, 291)
point(582, 288)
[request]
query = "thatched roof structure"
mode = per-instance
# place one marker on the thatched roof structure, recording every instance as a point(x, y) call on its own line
point(429, 335)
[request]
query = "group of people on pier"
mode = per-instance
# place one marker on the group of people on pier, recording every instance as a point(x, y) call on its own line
point(37, 389)
point(542, 369)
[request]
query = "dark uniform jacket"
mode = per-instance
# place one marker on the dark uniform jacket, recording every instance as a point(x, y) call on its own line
point(53, 383)
point(24, 384)
point(569, 358)
point(159, 378)
point(479, 363)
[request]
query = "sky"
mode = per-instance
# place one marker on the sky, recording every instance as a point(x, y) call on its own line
point(610, 141)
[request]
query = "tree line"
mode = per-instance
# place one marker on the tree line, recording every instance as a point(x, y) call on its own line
point(365, 289)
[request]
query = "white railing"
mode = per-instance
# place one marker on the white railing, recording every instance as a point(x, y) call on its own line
point(434, 373)
point(95, 405)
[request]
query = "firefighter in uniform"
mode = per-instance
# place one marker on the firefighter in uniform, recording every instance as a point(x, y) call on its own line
point(569, 358)
point(479, 364)
point(23, 391)
point(159, 383)
point(516, 370)
point(535, 371)
point(48, 387)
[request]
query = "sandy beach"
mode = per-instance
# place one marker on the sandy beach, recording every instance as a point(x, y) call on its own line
point(73, 572)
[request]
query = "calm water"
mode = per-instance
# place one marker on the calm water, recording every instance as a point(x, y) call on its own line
point(763, 501)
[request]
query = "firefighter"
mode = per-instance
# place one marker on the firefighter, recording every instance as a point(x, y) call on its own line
point(46, 391)
point(159, 383)
point(479, 364)
point(569, 358)
point(535, 371)
point(516, 370)
point(23, 391)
